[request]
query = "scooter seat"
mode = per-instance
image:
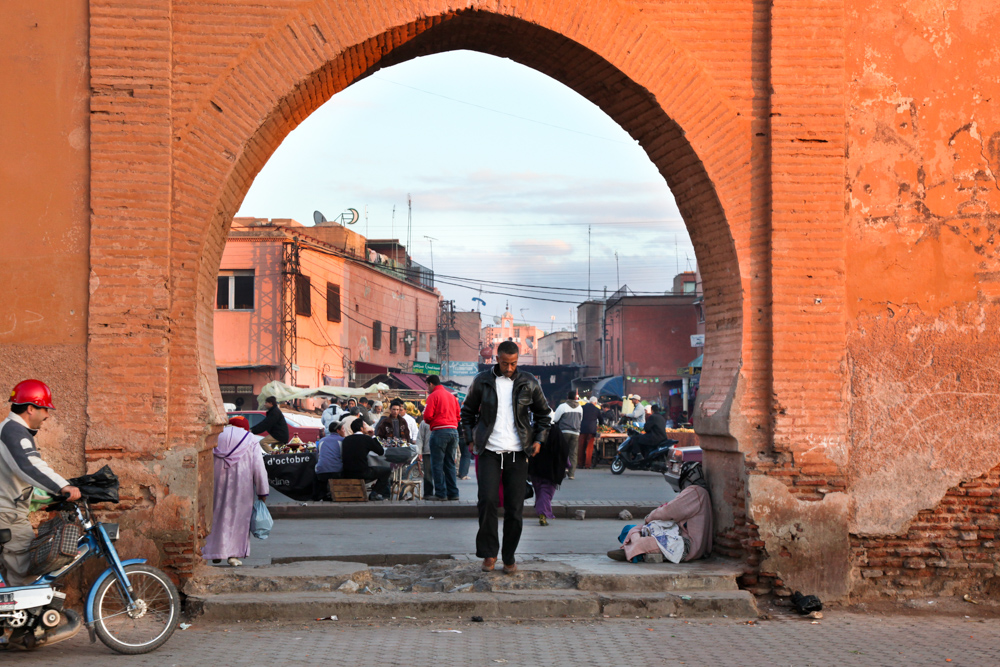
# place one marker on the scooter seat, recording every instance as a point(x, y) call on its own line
point(4, 535)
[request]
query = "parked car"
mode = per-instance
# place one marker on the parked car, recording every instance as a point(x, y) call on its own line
point(305, 433)
point(678, 457)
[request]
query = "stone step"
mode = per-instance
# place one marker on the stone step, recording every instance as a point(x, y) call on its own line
point(323, 575)
point(543, 586)
point(304, 606)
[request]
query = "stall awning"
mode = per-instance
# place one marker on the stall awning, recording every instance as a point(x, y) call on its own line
point(410, 381)
point(693, 367)
point(697, 362)
point(609, 386)
point(367, 368)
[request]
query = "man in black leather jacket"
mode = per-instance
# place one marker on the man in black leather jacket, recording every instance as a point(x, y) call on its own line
point(506, 418)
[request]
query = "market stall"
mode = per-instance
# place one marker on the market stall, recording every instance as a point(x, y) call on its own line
point(294, 474)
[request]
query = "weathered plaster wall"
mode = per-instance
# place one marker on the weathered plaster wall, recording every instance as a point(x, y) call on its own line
point(923, 271)
point(44, 199)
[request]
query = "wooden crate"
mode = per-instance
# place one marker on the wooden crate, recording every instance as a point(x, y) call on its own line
point(348, 491)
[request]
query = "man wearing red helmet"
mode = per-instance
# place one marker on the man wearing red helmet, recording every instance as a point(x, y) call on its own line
point(21, 469)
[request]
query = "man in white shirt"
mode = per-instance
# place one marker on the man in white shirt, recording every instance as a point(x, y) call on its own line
point(506, 417)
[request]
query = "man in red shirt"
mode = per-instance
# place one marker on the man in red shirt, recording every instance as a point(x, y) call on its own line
point(442, 415)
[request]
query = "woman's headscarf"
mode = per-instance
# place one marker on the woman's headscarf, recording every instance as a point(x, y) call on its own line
point(234, 443)
point(241, 422)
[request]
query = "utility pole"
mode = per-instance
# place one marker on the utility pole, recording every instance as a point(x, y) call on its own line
point(289, 335)
point(393, 222)
point(618, 276)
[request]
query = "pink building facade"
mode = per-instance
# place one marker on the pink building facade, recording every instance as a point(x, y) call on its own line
point(526, 337)
point(348, 310)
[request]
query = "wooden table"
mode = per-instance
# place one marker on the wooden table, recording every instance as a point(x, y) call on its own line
point(606, 446)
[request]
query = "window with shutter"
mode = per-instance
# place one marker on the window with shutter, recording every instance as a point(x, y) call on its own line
point(303, 295)
point(393, 339)
point(376, 335)
point(332, 302)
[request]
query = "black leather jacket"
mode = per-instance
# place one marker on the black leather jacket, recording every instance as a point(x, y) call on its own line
point(479, 412)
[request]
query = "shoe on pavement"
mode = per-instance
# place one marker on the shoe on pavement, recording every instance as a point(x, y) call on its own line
point(453, 498)
point(617, 554)
point(489, 564)
point(542, 521)
point(570, 476)
point(235, 562)
point(509, 569)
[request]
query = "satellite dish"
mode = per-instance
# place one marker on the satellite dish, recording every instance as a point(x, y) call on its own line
point(319, 218)
point(348, 217)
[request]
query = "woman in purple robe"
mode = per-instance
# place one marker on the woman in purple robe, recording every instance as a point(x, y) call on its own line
point(239, 477)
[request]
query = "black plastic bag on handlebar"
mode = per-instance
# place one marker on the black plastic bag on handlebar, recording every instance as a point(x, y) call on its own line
point(98, 487)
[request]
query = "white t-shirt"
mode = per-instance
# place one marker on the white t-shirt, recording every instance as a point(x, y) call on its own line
point(504, 436)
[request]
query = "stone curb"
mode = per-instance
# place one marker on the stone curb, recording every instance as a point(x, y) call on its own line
point(521, 604)
point(442, 510)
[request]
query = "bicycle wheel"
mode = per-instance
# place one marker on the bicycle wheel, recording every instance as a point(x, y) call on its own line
point(143, 626)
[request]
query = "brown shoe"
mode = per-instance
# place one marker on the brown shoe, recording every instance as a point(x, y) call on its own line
point(510, 569)
point(489, 564)
point(617, 554)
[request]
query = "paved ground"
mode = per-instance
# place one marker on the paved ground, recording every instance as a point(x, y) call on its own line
point(589, 485)
point(839, 639)
point(350, 537)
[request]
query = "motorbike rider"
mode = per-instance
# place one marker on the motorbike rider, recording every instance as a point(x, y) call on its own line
point(22, 469)
point(642, 444)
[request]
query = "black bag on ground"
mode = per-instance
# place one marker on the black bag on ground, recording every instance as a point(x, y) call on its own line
point(55, 546)
point(98, 487)
point(806, 604)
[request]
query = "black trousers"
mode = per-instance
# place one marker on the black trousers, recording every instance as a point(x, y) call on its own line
point(378, 474)
point(514, 477)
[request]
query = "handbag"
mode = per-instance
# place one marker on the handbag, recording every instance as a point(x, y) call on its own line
point(261, 522)
point(398, 454)
point(529, 492)
point(54, 547)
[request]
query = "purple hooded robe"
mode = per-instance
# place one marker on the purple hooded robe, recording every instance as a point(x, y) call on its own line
point(240, 477)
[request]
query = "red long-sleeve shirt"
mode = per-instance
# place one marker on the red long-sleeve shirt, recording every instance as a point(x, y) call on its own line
point(442, 410)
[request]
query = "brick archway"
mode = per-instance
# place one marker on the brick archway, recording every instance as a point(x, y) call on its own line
point(692, 135)
point(190, 154)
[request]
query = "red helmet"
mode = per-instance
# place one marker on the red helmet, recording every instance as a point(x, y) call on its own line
point(32, 392)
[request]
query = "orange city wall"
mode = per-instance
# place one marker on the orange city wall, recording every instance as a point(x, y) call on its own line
point(836, 163)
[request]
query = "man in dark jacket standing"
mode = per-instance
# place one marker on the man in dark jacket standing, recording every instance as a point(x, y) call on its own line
point(497, 417)
point(273, 424)
point(588, 431)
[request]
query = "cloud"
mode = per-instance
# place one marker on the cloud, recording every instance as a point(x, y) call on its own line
point(540, 247)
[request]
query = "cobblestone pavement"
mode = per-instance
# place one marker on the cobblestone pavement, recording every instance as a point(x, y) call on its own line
point(839, 639)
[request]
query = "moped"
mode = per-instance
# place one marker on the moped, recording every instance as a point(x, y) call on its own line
point(133, 608)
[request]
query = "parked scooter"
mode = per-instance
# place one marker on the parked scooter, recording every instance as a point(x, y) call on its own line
point(656, 460)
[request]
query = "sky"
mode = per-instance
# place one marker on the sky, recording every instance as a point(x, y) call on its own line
point(507, 169)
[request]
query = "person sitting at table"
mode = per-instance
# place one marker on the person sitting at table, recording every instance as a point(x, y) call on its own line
point(354, 451)
point(394, 425)
point(330, 462)
point(273, 424)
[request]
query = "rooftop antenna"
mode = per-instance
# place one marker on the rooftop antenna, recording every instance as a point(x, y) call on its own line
point(618, 276)
point(588, 262)
point(392, 235)
point(366, 220)
point(677, 257)
point(552, 327)
point(521, 310)
point(409, 230)
point(432, 240)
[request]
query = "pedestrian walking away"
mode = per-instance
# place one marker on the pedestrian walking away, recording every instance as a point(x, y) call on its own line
point(240, 476)
point(568, 417)
point(506, 417)
point(442, 415)
point(547, 470)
